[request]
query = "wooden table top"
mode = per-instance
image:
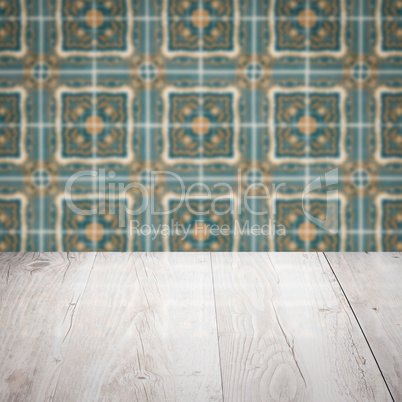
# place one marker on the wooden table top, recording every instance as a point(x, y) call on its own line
point(201, 326)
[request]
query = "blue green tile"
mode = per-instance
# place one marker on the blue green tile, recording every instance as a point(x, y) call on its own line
point(300, 97)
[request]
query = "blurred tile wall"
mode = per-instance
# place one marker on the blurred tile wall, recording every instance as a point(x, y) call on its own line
point(288, 112)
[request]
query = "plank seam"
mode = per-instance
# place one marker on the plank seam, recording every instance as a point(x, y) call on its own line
point(358, 323)
point(71, 329)
point(216, 322)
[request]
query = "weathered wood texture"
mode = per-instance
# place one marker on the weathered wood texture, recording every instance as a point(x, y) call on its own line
point(146, 331)
point(137, 326)
point(373, 285)
point(286, 332)
point(40, 296)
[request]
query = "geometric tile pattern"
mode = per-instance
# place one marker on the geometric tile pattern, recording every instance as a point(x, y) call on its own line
point(317, 28)
point(210, 29)
point(108, 127)
point(209, 125)
point(12, 27)
point(319, 129)
point(11, 133)
point(280, 120)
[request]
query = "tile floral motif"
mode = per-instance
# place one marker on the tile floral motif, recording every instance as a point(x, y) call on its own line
point(12, 27)
point(201, 124)
point(390, 124)
point(188, 217)
point(298, 28)
point(210, 29)
point(80, 231)
point(303, 232)
point(392, 223)
point(11, 119)
point(270, 97)
point(300, 121)
point(84, 28)
point(86, 118)
point(11, 224)
point(391, 28)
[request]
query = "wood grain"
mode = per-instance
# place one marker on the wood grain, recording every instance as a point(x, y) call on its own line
point(286, 332)
point(372, 284)
point(146, 331)
point(39, 299)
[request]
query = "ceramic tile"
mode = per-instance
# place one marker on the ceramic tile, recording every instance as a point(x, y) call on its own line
point(296, 105)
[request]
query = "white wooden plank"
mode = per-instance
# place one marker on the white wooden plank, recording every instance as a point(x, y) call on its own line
point(287, 333)
point(146, 331)
point(373, 285)
point(39, 297)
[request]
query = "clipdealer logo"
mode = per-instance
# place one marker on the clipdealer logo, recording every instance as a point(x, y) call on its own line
point(116, 196)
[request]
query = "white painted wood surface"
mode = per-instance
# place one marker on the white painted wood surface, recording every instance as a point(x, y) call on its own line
point(39, 299)
point(146, 331)
point(373, 285)
point(286, 332)
point(124, 326)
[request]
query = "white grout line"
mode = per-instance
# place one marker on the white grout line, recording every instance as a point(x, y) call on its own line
point(94, 126)
point(254, 138)
point(41, 128)
point(307, 113)
point(293, 231)
point(200, 242)
point(360, 139)
point(212, 125)
point(229, 177)
point(147, 111)
point(212, 71)
point(262, 18)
